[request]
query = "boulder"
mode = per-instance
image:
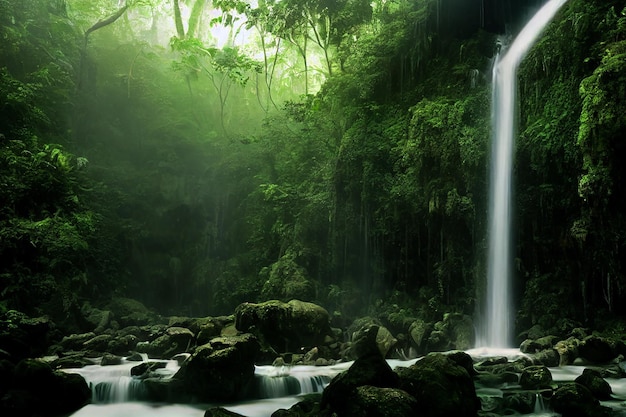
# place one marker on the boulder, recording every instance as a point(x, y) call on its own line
point(371, 369)
point(129, 312)
point(575, 400)
point(283, 326)
point(22, 336)
point(36, 389)
point(367, 335)
point(75, 342)
point(175, 340)
point(596, 350)
point(94, 319)
point(535, 377)
point(381, 402)
point(441, 387)
point(220, 412)
point(567, 350)
point(419, 331)
point(593, 381)
point(221, 370)
point(460, 331)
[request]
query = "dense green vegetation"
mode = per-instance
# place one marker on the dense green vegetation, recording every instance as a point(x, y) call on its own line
point(332, 151)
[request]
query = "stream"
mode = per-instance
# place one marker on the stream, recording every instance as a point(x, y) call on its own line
point(116, 393)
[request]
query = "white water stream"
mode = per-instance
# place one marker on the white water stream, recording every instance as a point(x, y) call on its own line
point(497, 331)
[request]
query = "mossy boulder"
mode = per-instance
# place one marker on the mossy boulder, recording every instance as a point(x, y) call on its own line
point(35, 389)
point(221, 370)
point(367, 334)
point(575, 400)
point(283, 326)
point(567, 350)
point(597, 350)
point(593, 381)
point(371, 369)
point(381, 402)
point(175, 340)
point(419, 331)
point(129, 312)
point(535, 377)
point(441, 387)
point(22, 336)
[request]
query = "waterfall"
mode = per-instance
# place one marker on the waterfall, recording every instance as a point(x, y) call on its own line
point(497, 331)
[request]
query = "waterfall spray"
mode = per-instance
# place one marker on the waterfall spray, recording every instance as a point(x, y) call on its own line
point(497, 329)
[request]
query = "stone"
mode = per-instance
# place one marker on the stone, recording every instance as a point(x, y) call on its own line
point(38, 390)
point(596, 350)
point(175, 340)
point(575, 400)
point(567, 350)
point(440, 386)
point(370, 338)
point(381, 402)
point(535, 377)
point(371, 369)
point(285, 327)
point(22, 336)
point(593, 381)
point(110, 359)
point(221, 370)
point(220, 412)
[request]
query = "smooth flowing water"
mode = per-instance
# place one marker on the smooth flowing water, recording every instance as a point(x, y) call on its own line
point(497, 331)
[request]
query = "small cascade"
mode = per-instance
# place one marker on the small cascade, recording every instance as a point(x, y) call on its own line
point(276, 382)
point(540, 405)
point(115, 384)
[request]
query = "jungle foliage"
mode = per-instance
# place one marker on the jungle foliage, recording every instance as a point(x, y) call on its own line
point(337, 156)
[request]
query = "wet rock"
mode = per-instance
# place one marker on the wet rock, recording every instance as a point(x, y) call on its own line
point(22, 336)
point(419, 332)
point(220, 412)
point(285, 327)
point(98, 343)
point(381, 402)
point(371, 369)
point(369, 337)
point(221, 370)
point(547, 357)
point(146, 369)
point(94, 319)
point(535, 377)
point(110, 359)
point(36, 389)
point(596, 350)
point(460, 331)
point(593, 381)
point(567, 350)
point(440, 386)
point(575, 400)
point(129, 312)
point(175, 340)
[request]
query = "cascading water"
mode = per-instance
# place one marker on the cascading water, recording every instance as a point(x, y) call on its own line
point(496, 332)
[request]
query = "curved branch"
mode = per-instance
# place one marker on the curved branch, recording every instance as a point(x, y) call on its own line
point(105, 22)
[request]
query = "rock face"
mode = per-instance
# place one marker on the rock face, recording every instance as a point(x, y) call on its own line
point(284, 326)
point(441, 387)
point(221, 370)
